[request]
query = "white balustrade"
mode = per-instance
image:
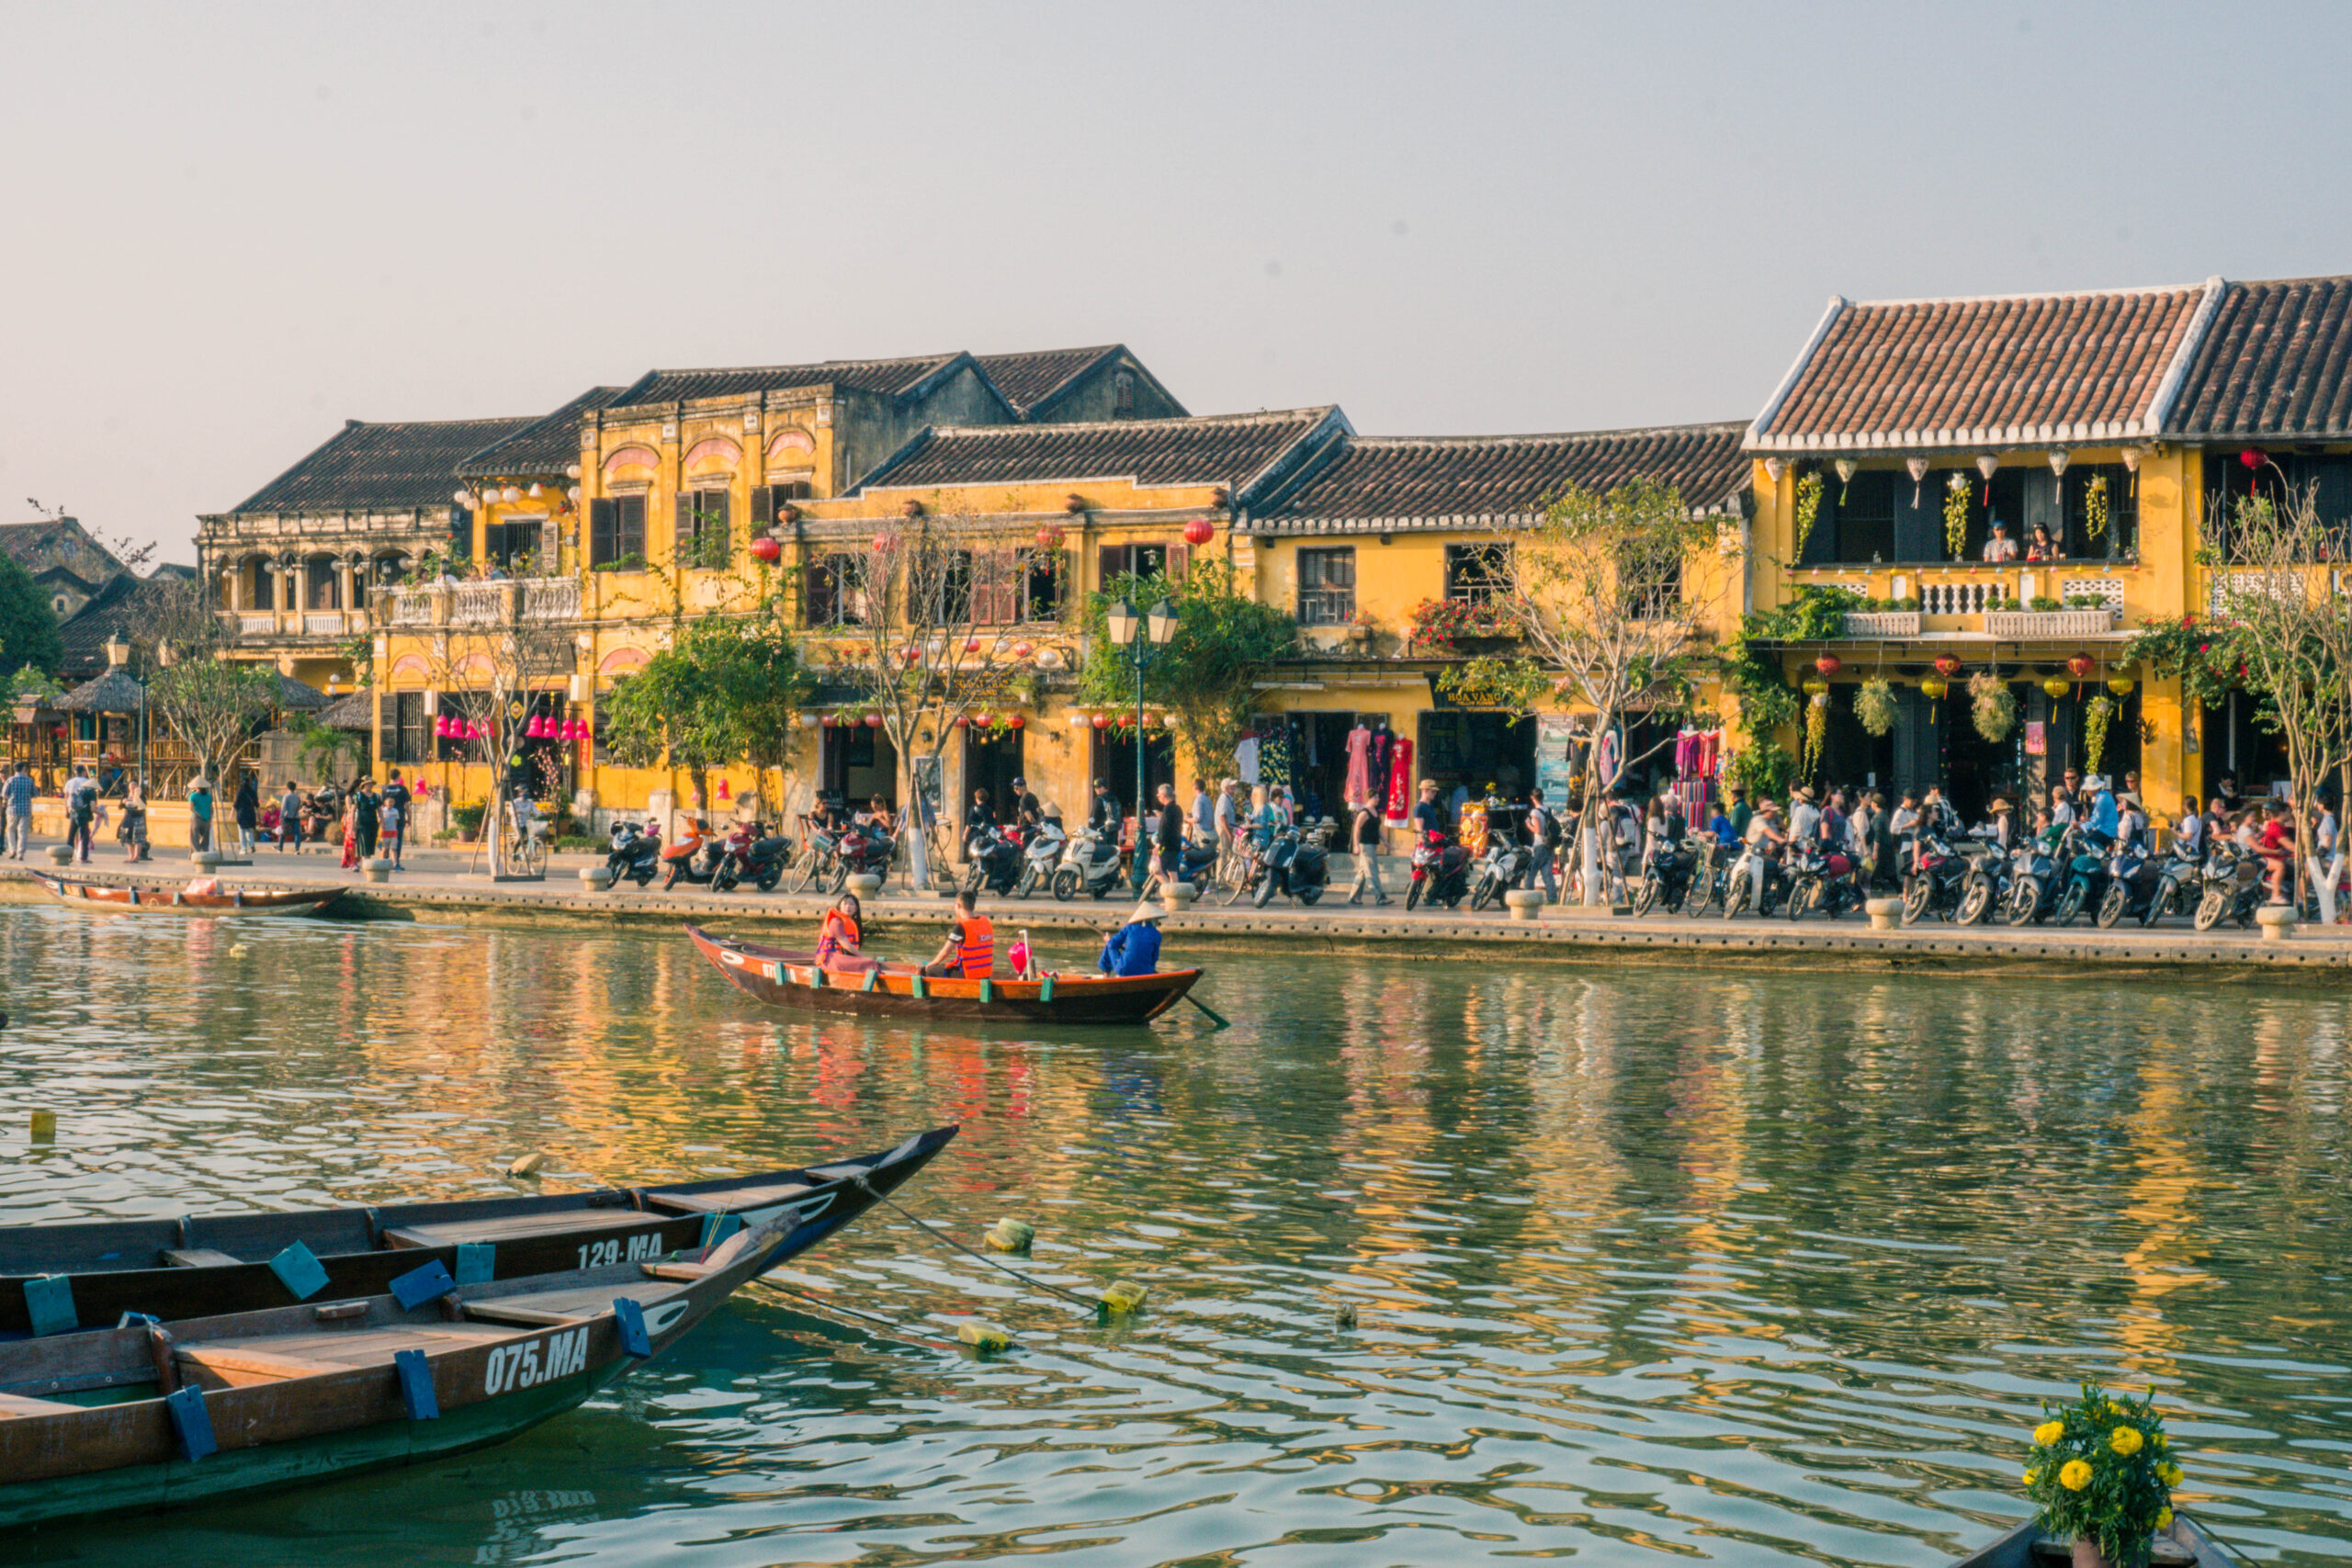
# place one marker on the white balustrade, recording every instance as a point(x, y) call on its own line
point(330, 623)
point(1882, 623)
point(262, 625)
point(477, 603)
point(551, 598)
point(1961, 598)
point(411, 607)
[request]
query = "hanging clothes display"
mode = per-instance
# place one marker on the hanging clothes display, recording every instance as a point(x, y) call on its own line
point(1274, 754)
point(1400, 780)
point(1359, 786)
point(1244, 759)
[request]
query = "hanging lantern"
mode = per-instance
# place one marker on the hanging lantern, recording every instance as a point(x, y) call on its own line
point(874, 721)
point(726, 791)
point(1078, 719)
point(1774, 467)
point(766, 551)
point(572, 494)
point(1847, 468)
point(881, 544)
point(830, 720)
point(2252, 457)
point(1014, 721)
point(981, 719)
point(2081, 666)
point(2058, 457)
point(1988, 466)
point(441, 728)
point(531, 727)
point(463, 498)
point(1049, 538)
point(909, 653)
point(510, 495)
point(1917, 469)
point(2057, 686)
point(1022, 650)
point(2119, 685)
point(1199, 531)
point(1829, 664)
point(1947, 666)
point(972, 644)
point(1933, 687)
point(1815, 686)
point(807, 721)
point(1101, 721)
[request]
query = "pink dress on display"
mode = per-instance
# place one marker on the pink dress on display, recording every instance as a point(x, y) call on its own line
point(1359, 763)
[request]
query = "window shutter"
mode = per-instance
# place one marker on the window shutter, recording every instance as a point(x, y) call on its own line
point(714, 506)
point(551, 546)
point(681, 531)
point(604, 521)
point(1179, 561)
point(763, 506)
point(1113, 562)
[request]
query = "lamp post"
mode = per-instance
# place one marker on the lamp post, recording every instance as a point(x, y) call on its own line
point(118, 650)
point(1160, 629)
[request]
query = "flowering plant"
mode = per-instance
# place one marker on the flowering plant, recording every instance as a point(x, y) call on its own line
point(2102, 1470)
point(1439, 623)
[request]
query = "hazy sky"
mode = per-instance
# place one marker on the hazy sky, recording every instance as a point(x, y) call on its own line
point(232, 226)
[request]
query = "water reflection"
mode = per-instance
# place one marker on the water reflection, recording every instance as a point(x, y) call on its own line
point(1647, 1265)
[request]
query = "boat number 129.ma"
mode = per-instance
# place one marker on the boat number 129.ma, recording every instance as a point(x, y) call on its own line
point(535, 1361)
point(621, 1249)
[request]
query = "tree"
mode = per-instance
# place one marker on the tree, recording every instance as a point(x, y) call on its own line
point(724, 689)
point(211, 702)
point(1603, 596)
point(1207, 674)
point(491, 664)
point(27, 624)
point(930, 635)
point(2293, 632)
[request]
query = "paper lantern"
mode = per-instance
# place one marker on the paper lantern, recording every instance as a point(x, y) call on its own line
point(2057, 686)
point(881, 544)
point(1917, 469)
point(766, 551)
point(1947, 666)
point(2081, 666)
point(963, 721)
point(972, 644)
point(1101, 721)
point(531, 727)
point(1022, 650)
point(1815, 686)
point(807, 721)
point(1774, 467)
point(1049, 538)
point(2252, 457)
point(2131, 459)
point(1988, 466)
point(909, 653)
point(726, 791)
point(1829, 664)
point(1014, 721)
point(874, 721)
point(1933, 687)
point(2058, 462)
point(1078, 719)
point(1199, 531)
point(461, 497)
point(534, 492)
point(830, 720)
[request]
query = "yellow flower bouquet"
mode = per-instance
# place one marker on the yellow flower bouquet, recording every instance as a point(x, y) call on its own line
point(2102, 1470)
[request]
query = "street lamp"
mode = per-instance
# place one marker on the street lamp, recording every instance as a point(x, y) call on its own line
point(1160, 629)
point(118, 650)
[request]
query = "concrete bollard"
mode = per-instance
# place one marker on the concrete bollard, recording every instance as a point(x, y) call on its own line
point(1524, 903)
point(2277, 920)
point(1179, 896)
point(1886, 914)
point(376, 868)
point(61, 854)
point(594, 876)
point(210, 859)
point(866, 885)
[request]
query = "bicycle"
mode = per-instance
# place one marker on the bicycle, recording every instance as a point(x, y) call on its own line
point(526, 846)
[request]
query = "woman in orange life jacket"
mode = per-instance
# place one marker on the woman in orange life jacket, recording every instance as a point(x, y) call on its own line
point(837, 942)
point(970, 948)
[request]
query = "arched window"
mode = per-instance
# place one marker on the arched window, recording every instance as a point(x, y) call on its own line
point(318, 584)
point(1122, 395)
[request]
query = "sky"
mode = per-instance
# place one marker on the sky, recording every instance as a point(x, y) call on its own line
point(235, 226)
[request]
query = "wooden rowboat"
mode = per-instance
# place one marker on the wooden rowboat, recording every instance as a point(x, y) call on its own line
point(145, 1415)
point(137, 900)
point(900, 990)
point(60, 1277)
point(2181, 1546)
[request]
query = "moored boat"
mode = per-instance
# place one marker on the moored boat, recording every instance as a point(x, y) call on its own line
point(2182, 1545)
point(148, 1415)
point(57, 1278)
point(788, 979)
point(132, 899)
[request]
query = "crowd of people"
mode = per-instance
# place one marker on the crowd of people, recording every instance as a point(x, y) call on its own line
point(365, 817)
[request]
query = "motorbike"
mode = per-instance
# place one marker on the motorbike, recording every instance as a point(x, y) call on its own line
point(2233, 888)
point(1502, 868)
point(997, 864)
point(1295, 863)
point(694, 858)
point(2084, 855)
point(1821, 877)
point(636, 857)
point(751, 853)
point(1441, 873)
point(1041, 850)
point(1671, 875)
point(2134, 877)
point(1090, 860)
point(1939, 880)
point(1739, 891)
point(2030, 872)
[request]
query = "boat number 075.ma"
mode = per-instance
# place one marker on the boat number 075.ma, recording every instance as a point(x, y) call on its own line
point(535, 1361)
point(619, 1249)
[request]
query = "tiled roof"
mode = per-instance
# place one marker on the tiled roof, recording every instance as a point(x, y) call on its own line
point(2276, 364)
point(1238, 451)
point(548, 444)
point(59, 542)
point(1916, 373)
point(1383, 484)
point(393, 467)
point(892, 377)
point(128, 604)
point(1029, 379)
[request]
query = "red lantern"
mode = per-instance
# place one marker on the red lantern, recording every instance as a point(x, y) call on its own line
point(1022, 651)
point(1828, 664)
point(766, 551)
point(1947, 666)
point(881, 544)
point(874, 721)
point(2252, 457)
point(963, 721)
point(1014, 721)
point(829, 720)
point(1101, 721)
point(972, 644)
point(981, 719)
point(909, 653)
point(2082, 664)
point(1199, 531)
point(1049, 538)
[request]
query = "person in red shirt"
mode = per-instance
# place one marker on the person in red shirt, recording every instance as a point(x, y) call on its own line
point(2276, 847)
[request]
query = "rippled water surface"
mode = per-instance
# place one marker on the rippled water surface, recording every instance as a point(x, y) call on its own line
point(1649, 1267)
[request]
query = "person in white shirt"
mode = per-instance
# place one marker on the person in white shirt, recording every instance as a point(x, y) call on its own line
point(2000, 546)
point(1804, 817)
point(2189, 833)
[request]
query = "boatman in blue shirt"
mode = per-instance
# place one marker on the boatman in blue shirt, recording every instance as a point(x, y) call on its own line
point(1134, 948)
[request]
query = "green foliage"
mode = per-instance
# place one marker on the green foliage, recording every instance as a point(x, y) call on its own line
point(33, 684)
point(1207, 674)
point(1765, 770)
point(320, 748)
point(1438, 625)
point(724, 690)
point(2102, 1470)
point(467, 816)
point(2207, 657)
point(28, 625)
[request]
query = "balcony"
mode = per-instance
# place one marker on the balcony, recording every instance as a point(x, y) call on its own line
point(283, 625)
point(537, 599)
point(1882, 623)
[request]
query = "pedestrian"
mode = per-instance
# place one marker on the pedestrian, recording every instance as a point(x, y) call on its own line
point(1228, 830)
point(199, 814)
point(2276, 844)
point(247, 808)
point(1168, 836)
point(132, 834)
point(366, 817)
point(1428, 815)
point(397, 800)
point(1764, 840)
point(1203, 812)
point(1804, 817)
point(81, 808)
point(1903, 829)
point(350, 833)
point(1363, 837)
point(289, 819)
point(1542, 845)
point(19, 795)
point(1740, 812)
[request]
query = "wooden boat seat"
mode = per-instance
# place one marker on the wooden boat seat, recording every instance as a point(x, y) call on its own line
point(734, 1201)
point(511, 1227)
point(198, 1258)
point(685, 1273)
point(539, 1308)
point(2163, 1553)
point(235, 1368)
point(340, 1352)
point(13, 1404)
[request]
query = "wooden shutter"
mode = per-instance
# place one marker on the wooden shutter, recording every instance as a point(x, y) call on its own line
point(1115, 561)
point(714, 519)
point(763, 506)
point(628, 536)
point(603, 525)
point(681, 525)
point(1179, 561)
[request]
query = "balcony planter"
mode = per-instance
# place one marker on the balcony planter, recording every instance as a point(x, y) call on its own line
point(2047, 623)
point(1882, 623)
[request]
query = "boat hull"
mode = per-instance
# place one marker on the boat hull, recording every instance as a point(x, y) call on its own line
point(237, 902)
point(2181, 1546)
point(793, 980)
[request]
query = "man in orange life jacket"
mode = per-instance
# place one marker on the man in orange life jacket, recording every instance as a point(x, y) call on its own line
point(970, 948)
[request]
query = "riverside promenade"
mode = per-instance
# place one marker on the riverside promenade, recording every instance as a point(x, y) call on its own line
point(438, 886)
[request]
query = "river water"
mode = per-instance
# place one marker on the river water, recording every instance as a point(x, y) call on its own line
point(1648, 1266)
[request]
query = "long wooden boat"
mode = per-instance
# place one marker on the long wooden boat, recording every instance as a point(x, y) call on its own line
point(60, 1277)
point(143, 1416)
point(901, 991)
point(132, 899)
point(2181, 1546)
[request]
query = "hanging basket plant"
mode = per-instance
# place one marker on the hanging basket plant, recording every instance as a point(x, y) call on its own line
point(2094, 508)
point(1817, 730)
point(1992, 705)
point(1956, 516)
point(1874, 706)
point(2098, 714)
point(1808, 507)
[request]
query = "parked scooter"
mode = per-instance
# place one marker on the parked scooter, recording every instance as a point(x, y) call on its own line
point(2083, 853)
point(1295, 863)
point(1671, 875)
point(1739, 889)
point(2233, 888)
point(1938, 879)
point(1089, 862)
point(2134, 877)
point(997, 862)
point(694, 858)
point(636, 857)
point(1441, 873)
point(2031, 873)
point(1821, 877)
point(1040, 853)
point(751, 853)
point(1500, 869)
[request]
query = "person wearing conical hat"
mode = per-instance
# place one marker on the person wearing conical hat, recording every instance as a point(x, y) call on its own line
point(1134, 948)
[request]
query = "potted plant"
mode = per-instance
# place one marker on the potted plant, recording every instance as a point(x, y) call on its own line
point(2102, 1470)
point(1361, 628)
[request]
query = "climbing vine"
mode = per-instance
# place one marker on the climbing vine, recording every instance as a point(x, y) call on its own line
point(1956, 516)
point(1808, 507)
point(2094, 511)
